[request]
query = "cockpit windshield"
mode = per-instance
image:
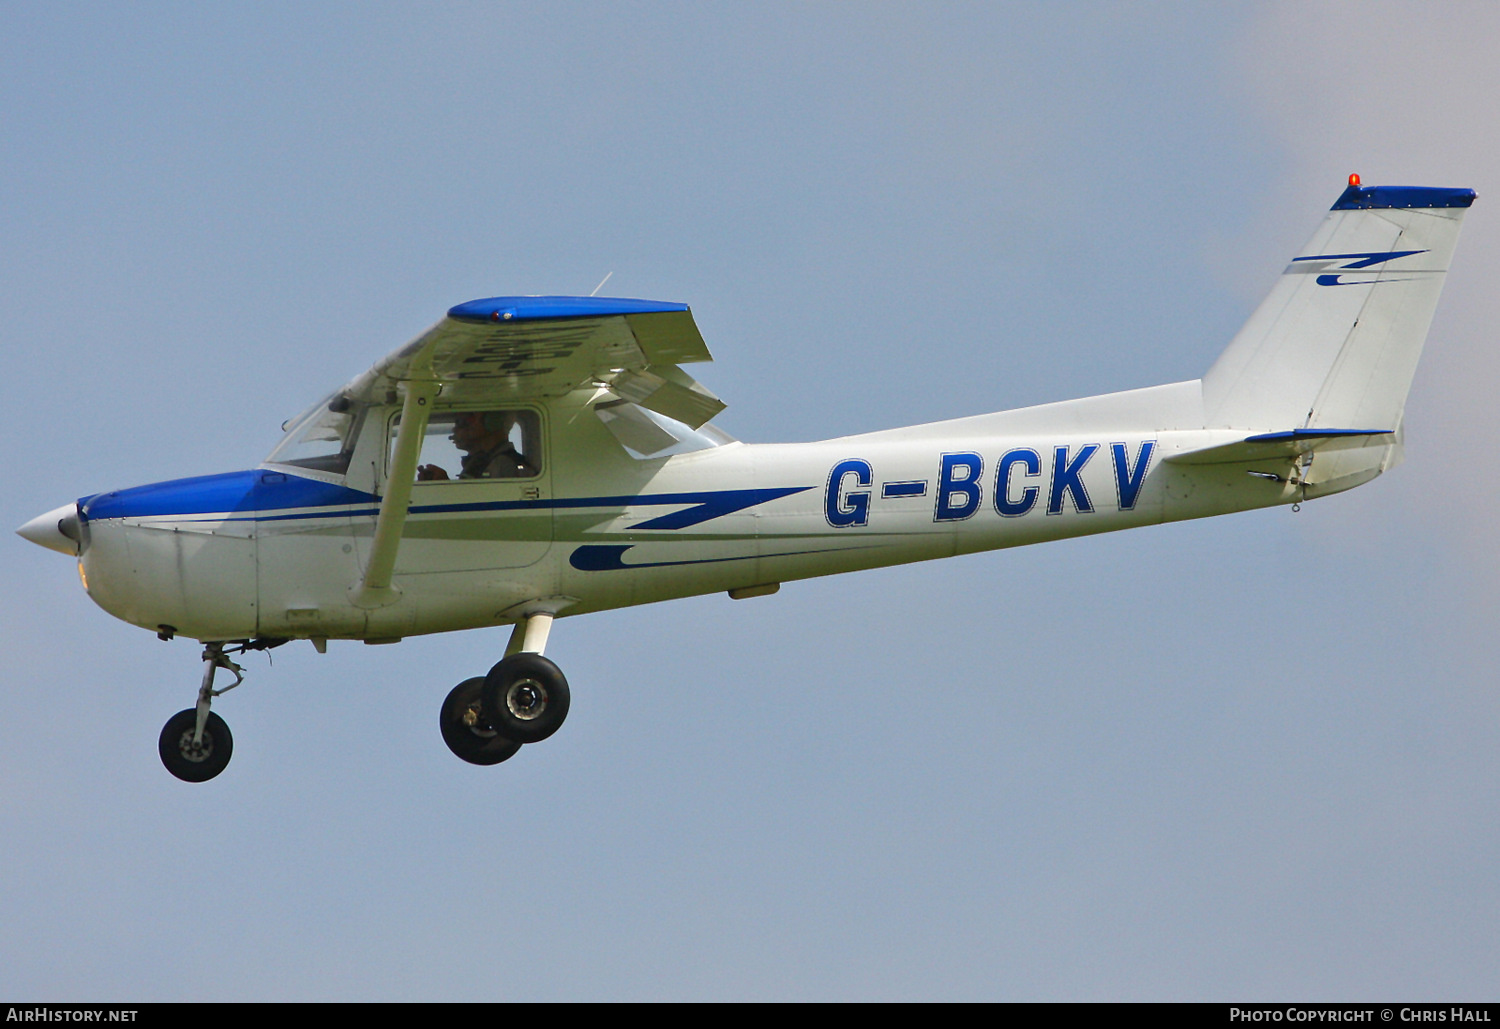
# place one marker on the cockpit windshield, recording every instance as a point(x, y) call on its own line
point(322, 437)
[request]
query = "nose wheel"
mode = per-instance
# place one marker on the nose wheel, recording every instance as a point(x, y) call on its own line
point(195, 744)
point(195, 756)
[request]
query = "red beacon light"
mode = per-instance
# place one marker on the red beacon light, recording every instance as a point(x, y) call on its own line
point(1354, 179)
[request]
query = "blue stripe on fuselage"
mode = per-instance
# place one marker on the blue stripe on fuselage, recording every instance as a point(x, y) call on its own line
point(247, 496)
point(610, 557)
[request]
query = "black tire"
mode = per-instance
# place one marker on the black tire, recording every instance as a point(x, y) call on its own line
point(466, 730)
point(526, 697)
point(190, 763)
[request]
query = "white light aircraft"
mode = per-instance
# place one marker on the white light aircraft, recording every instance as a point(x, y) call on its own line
point(534, 457)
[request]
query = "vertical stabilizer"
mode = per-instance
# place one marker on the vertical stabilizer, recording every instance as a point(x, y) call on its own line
point(1336, 342)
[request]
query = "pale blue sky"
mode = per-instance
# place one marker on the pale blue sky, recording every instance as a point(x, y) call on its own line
point(1252, 757)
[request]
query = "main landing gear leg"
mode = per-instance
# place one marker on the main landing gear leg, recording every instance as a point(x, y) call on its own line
point(195, 744)
point(523, 699)
point(530, 634)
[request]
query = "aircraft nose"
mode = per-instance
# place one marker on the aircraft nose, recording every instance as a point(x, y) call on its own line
point(58, 529)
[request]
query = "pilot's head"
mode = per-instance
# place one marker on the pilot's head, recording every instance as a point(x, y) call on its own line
point(480, 430)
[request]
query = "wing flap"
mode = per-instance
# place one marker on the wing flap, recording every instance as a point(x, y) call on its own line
point(683, 399)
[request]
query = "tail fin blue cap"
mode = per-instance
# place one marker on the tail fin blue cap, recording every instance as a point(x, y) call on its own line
point(1372, 198)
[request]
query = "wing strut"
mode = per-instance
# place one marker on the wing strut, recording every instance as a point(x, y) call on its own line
point(375, 589)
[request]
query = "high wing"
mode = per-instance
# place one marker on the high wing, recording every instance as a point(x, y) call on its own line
point(507, 349)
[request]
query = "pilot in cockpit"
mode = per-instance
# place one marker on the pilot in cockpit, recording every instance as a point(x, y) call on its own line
point(489, 453)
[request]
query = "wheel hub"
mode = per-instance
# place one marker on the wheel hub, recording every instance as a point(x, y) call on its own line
point(526, 699)
point(473, 719)
point(196, 752)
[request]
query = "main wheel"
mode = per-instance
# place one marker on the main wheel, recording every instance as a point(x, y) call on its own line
point(526, 697)
point(467, 731)
point(195, 762)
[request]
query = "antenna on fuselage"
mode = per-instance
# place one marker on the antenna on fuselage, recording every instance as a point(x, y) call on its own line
point(601, 285)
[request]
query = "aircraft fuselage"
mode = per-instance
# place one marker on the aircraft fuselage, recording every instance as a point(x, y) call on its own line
point(273, 552)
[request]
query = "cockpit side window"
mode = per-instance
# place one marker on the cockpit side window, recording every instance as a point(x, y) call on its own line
point(322, 437)
point(469, 445)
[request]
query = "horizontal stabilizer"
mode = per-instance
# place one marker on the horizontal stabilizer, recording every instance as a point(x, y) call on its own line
point(1286, 446)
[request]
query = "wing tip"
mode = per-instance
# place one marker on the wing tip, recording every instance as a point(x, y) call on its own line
point(505, 309)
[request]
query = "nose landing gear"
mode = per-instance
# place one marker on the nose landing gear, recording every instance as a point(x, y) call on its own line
point(523, 699)
point(195, 744)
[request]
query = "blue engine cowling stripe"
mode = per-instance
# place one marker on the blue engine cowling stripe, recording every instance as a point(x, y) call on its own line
point(256, 490)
